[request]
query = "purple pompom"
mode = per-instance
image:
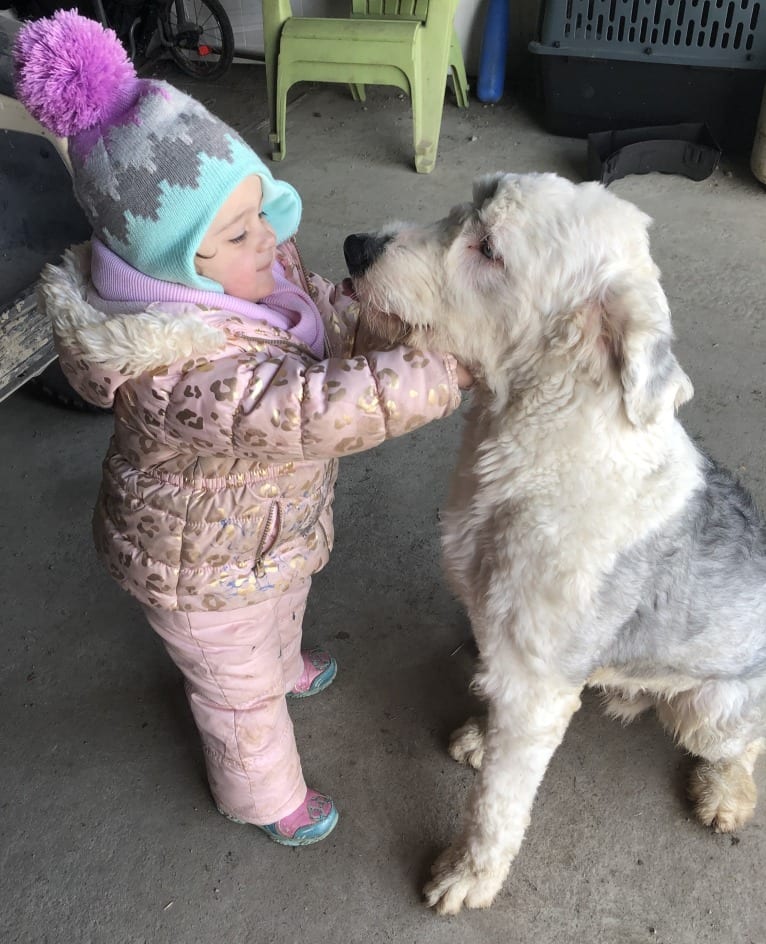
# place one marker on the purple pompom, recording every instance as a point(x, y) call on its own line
point(70, 71)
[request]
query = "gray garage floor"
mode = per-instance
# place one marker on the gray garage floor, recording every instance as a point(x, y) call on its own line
point(108, 834)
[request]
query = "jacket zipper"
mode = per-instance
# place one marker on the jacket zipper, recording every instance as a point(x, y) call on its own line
point(324, 535)
point(260, 570)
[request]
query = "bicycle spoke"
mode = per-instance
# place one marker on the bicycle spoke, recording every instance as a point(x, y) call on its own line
point(199, 36)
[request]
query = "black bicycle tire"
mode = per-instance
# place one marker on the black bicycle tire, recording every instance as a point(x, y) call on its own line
point(52, 385)
point(227, 44)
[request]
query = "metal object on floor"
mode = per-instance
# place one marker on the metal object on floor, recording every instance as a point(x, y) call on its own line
point(687, 149)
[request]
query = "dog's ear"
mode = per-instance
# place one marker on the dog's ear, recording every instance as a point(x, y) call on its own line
point(485, 187)
point(638, 331)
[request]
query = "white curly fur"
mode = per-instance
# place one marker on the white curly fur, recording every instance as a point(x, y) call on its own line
point(574, 486)
point(131, 343)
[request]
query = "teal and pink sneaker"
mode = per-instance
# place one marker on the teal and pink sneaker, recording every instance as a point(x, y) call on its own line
point(319, 670)
point(314, 819)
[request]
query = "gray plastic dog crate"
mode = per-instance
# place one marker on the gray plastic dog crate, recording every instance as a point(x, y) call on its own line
point(615, 64)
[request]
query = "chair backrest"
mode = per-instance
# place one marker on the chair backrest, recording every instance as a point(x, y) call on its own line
point(406, 9)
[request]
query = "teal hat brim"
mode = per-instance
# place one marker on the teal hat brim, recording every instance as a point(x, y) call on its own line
point(281, 206)
point(164, 247)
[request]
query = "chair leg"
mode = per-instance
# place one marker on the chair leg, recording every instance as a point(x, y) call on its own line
point(427, 107)
point(460, 87)
point(275, 15)
point(278, 138)
point(457, 68)
point(428, 85)
point(358, 92)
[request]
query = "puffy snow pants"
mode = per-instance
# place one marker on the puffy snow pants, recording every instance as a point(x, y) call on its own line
point(238, 665)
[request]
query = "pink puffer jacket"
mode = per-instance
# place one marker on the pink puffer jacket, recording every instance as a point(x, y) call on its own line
point(218, 482)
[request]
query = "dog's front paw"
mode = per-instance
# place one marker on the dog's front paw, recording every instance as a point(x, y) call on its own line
point(467, 743)
point(456, 882)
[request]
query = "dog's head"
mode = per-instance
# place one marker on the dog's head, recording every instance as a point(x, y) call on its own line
point(536, 274)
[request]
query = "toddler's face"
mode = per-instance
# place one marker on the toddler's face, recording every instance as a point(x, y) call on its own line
point(238, 247)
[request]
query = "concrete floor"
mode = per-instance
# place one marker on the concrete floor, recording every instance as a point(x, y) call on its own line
point(108, 832)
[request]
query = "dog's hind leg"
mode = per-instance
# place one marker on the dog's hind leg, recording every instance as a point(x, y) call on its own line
point(720, 724)
point(467, 742)
point(723, 792)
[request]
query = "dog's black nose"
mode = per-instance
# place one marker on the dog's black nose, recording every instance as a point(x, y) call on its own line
point(361, 250)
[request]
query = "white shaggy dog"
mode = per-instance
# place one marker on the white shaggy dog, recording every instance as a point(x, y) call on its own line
point(589, 540)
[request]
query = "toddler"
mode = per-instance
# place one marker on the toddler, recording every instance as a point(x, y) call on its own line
point(235, 384)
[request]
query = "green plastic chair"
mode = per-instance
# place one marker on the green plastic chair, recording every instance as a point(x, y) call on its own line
point(413, 10)
point(406, 43)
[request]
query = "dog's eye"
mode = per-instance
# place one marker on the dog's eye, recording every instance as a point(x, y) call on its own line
point(486, 248)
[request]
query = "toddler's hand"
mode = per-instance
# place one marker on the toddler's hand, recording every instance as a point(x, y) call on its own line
point(465, 378)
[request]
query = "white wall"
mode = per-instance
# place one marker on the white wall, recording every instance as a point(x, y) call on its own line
point(245, 17)
point(469, 24)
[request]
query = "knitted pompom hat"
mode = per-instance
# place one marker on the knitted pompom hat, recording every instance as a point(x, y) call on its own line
point(151, 165)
